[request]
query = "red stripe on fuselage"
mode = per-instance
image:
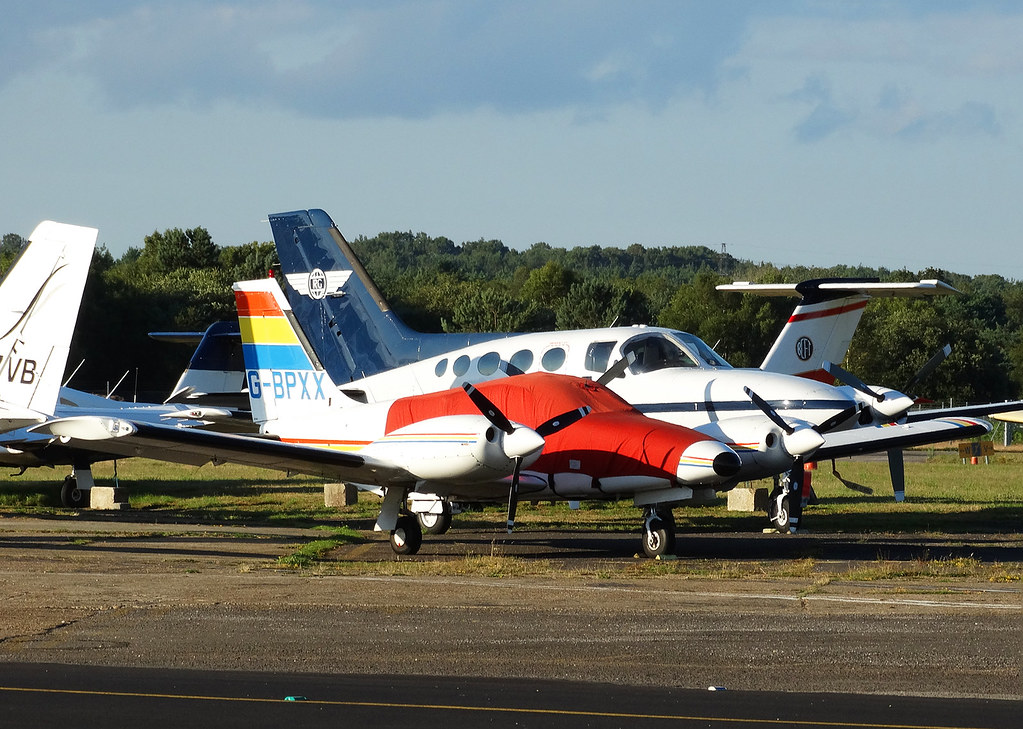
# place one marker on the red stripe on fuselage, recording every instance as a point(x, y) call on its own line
point(819, 375)
point(827, 312)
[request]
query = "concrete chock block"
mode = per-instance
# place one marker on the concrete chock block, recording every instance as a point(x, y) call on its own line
point(108, 498)
point(747, 499)
point(336, 495)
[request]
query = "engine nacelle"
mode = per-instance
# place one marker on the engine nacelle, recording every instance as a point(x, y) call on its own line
point(707, 462)
point(457, 448)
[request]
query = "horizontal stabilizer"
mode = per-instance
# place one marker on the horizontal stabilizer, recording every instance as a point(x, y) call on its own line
point(822, 288)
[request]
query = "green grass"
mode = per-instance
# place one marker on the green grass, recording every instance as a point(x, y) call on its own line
point(308, 554)
point(944, 498)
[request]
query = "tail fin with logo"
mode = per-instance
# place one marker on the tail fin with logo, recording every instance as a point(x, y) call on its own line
point(39, 301)
point(349, 324)
point(825, 319)
point(284, 376)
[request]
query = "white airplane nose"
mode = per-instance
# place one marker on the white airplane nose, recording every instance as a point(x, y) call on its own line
point(522, 443)
point(707, 461)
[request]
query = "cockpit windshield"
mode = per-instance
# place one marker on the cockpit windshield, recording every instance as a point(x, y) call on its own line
point(701, 350)
point(658, 351)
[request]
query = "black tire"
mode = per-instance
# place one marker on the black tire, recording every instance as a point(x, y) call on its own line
point(435, 523)
point(658, 538)
point(71, 496)
point(407, 536)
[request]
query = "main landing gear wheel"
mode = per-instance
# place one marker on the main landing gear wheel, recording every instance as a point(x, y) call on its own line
point(435, 523)
point(70, 495)
point(407, 536)
point(778, 510)
point(659, 534)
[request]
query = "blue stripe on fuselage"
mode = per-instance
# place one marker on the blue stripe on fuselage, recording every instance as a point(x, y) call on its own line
point(740, 406)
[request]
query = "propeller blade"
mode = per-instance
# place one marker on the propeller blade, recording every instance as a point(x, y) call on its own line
point(850, 379)
point(929, 367)
point(835, 420)
point(769, 411)
point(897, 469)
point(509, 369)
point(617, 369)
point(513, 495)
point(562, 421)
point(489, 410)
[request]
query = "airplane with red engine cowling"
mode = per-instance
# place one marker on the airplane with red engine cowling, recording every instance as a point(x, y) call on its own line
point(775, 417)
point(502, 440)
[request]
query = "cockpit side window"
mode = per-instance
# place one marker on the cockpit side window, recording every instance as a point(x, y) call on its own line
point(598, 355)
point(655, 352)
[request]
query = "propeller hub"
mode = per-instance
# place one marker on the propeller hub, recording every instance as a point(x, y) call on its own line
point(523, 442)
point(802, 442)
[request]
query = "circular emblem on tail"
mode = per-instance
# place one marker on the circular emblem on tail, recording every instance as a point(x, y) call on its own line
point(804, 348)
point(317, 284)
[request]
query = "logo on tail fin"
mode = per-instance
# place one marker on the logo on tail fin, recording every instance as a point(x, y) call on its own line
point(318, 285)
point(804, 348)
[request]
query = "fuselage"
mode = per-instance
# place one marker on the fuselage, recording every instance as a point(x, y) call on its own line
point(675, 377)
point(615, 451)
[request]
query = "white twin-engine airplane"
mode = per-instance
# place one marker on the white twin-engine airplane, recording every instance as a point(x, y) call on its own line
point(774, 421)
point(40, 297)
point(502, 439)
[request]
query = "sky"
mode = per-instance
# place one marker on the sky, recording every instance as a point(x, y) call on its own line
point(887, 134)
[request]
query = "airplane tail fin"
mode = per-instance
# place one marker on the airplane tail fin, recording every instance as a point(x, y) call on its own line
point(215, 375)
point(39, 301)
point(283, 374)
point(349, 324)
point(823, 323)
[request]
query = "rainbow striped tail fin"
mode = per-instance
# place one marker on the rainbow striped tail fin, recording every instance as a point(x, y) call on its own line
point(283, 375)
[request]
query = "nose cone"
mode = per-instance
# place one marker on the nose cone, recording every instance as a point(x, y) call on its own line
point(894, 405)
point(522, 443)
point(802, 442)
point(707, 462)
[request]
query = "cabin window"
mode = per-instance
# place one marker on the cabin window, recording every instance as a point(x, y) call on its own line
point(521, 361)
point(655, 352)
point(553, 359)
point(461, 365)
point(441, 367)
point(489, 363)
point(597, 356)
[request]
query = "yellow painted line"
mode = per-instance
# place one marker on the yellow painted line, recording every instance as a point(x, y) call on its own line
point(487, 709)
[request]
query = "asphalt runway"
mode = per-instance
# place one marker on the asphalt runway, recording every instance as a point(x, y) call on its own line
point(106, 620)
point(53, 695)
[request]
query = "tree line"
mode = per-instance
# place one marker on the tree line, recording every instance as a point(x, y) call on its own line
point(180, 280)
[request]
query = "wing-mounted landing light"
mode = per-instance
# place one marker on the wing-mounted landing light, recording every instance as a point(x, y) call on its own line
point(520, 441)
